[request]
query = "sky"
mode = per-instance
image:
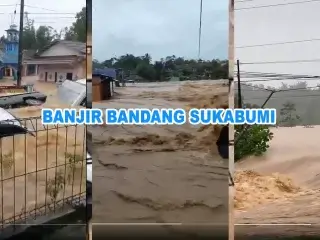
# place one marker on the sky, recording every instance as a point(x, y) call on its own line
point(159, 27)
point(55, 13)
point(292, 22)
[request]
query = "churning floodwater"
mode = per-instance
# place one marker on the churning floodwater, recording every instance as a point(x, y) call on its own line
point(160, 174)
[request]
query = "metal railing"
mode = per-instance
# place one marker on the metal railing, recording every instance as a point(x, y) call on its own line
point(42, 171)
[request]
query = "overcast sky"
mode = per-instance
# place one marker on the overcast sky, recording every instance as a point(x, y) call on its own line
point(55, 13)
point(159, 27)
point(294, 22)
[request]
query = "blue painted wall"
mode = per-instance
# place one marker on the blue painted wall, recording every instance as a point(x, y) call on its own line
point(11, 49)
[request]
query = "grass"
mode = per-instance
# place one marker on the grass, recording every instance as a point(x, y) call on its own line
point(73, 161)
point(55, 185)
point(7, 161)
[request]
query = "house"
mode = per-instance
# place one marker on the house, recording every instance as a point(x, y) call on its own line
point(103, 84)
point(58, 61)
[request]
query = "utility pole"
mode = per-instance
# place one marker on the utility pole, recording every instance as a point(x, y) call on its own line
point(19, 73)
point(239, 85)
point(200, 27)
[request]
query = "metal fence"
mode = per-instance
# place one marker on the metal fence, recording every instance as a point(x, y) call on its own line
point(43, 171)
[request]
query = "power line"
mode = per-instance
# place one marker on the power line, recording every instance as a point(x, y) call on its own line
point(279, 43)
point(54, 18)
point(278, 62)
point(47, 9)
point(266, 80)
point(7, 5)
point(244, 1)
point(278, 90)
point(36, 22)
point(38, 13)
point(277, 74)
point(279, 77)
point(295, 96)
point(15, 11)
point(275, 5)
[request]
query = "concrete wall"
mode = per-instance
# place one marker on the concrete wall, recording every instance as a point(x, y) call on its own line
point(77, 70)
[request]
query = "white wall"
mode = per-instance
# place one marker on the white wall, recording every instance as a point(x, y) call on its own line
point(278, 24)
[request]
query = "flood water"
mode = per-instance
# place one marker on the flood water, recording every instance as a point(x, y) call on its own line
point(160, 174)
point(30, 192)
point(281, 187)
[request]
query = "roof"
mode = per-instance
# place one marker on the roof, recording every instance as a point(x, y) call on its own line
point(28, 54)
point(79, 47)
point(11, 30)
point(105, 72)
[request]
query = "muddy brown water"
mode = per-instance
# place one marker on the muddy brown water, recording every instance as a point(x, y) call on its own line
point(281, 187)
point(160, 174)
point(23, 190)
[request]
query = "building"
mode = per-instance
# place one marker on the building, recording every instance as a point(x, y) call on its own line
point(103, 84)
point(58, 61)
point(9, 53)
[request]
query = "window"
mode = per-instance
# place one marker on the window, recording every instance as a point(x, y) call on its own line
point(89, 50)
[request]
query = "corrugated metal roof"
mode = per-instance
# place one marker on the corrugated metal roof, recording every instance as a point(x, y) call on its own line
point(106, 72)
point(28, 54)
point(79, 47)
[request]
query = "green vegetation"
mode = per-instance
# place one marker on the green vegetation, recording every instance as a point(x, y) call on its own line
point(142, 68)
point(7, 162)
point(73, 162)
point(290, 105)
point(55, 185)
point(253, 141)
point(288, 116)
point(37, 38)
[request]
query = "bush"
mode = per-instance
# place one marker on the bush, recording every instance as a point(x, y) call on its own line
point(254, 141)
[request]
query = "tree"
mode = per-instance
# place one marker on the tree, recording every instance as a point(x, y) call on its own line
point(253, 140)
point(29, 36)
point(167, 67)
point(37, 39)
point(288, 116)
point(145, 71)
point(44, 36)
point(78, 30)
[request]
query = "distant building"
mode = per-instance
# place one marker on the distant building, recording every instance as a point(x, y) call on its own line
point(9, 53)
point(103, 84)
point(58, 61)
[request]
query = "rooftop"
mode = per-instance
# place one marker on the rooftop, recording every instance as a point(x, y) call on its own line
point(105, 72)
point(77, 46)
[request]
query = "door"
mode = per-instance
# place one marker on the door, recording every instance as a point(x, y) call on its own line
point(7, 72)
point(46, 76)
point(69, 76)
point(55, 76)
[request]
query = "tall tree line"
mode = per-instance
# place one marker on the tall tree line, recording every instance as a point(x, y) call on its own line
point(37, 38)
point(144, 69)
